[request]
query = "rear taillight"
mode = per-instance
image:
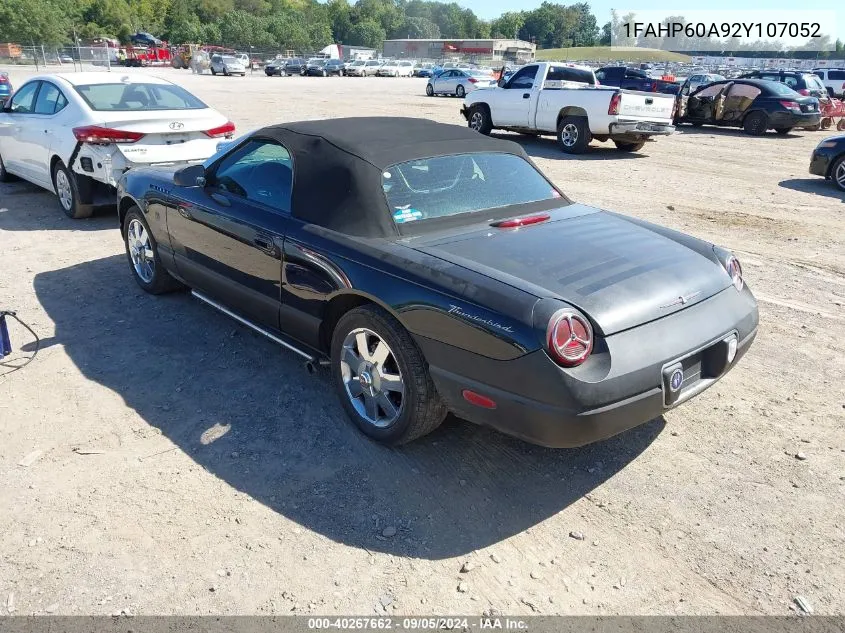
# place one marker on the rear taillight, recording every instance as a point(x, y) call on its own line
point(472, 80)
point(105, 135)
point(804, 92)
point(734, 269)
point(791, 105)
point(569, 338)
point(523, 221)
point(613, 108)
point(4, 80)
point(227, 130)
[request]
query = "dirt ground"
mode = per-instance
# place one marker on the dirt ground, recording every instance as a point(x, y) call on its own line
point(157, 457)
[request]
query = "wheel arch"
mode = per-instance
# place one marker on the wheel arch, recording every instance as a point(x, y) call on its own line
point(570, 111)
point(126, 203)
point(339, 304)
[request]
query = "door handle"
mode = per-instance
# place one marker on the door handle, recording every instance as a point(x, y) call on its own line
point(266, 244)
point(221, 199)
point(525, 95)
point(47, 132)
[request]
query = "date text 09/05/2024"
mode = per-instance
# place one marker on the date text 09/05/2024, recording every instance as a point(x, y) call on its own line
point(749, 30)
point(418, 623)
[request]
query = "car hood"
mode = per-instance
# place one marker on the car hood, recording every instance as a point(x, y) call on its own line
point(617, 271)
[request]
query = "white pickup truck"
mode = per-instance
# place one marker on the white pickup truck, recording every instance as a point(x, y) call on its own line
point(563, 99)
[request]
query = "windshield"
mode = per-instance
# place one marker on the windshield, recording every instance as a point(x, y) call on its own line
point(230, 60)
point(358, 63)
point(138, 96)
point(449, 185)
point(315, 60)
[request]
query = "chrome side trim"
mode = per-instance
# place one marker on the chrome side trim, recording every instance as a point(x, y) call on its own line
point(252, 325)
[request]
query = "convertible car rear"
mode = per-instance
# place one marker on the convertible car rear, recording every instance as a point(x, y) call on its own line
point(442, 271)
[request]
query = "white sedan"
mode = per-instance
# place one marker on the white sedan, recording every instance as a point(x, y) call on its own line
point(458, 82)
point(75, 134)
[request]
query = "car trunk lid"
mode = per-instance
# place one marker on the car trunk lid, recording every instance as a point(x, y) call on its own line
point(170, 136)
point(619, 273)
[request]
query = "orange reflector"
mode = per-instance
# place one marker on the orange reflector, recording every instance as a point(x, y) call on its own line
point(478, 400)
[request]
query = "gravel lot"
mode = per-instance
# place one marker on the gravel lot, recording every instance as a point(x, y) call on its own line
point(156, 457)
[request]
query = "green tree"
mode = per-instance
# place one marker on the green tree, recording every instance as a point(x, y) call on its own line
point(367, 33)
point(419, 28)
point(42, 22)
point(508, 24)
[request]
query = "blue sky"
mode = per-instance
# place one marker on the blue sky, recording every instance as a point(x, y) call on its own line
point(489, 9)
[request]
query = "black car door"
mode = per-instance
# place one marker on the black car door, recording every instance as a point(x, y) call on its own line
point(227, 236)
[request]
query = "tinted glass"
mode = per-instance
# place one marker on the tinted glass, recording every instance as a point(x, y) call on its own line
point(259, 170)
point(24, 99)
point(450, 185)
point(564, 73)
point(836, 75)
point(48, 96)
point(524, 79)
point(782, 90)
point(137, 96)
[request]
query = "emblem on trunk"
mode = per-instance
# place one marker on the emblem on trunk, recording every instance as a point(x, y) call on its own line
point(177, 125)
point(682, 300)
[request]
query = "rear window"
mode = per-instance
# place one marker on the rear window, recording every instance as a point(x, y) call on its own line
point(813, 82)
point(565, 73)
point(449, 185)
point(782, 90)
point(123, 97)
point(837, 75)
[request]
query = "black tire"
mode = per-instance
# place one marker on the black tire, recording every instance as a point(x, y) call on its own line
point(573, 134)
point(161, 281)
point(460, 93)
point(783, 131)
point(839, 162)
point(755, 124)
point(79, 205)
point(830, 92)
point(213, 72)
point(4, 175)
point(628, 147)
point(696, 123)
point(479, 119)
point(422, 410)
point(429, 90)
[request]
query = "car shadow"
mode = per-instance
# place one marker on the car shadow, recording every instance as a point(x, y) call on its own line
point(547, 147)
point(28, 207)
point(817, 185)
point(251, 415)
point(714, 130)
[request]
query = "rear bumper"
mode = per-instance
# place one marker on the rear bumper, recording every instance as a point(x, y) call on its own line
point(788, 119)
point(541, 403)
point(640, 129)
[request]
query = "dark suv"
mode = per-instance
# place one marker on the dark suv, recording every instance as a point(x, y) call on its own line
point(804, 83)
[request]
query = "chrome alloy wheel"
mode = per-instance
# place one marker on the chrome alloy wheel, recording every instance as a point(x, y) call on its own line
point(839, 175)
point(63, 190)
point(372, 378)
point(476, 121)
point(141, 251)
point(569, 134)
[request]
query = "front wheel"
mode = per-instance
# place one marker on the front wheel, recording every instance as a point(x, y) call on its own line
point(460, 92)
point(755, 124)
point(429, 90)
point(573, 135)
point(479, 119)
point(628, 147)
point(382, 378)
point(142, 252)
point(837, 173)
point(70, 193)
point(213, 72)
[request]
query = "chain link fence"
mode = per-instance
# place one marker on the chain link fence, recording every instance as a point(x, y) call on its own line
point(63, 58)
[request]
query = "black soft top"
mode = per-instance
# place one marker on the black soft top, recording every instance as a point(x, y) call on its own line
point(338, 165)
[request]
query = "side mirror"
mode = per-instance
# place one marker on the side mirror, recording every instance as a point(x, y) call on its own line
point(501, 82)
point(190, 176)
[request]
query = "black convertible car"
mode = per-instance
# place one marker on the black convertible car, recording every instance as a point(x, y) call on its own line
point(755, 105)
point(435, 269)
